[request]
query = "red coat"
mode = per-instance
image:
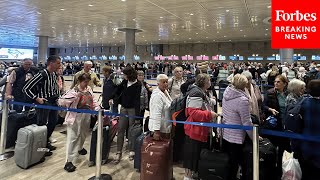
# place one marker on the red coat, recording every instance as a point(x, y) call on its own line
point(199, 133)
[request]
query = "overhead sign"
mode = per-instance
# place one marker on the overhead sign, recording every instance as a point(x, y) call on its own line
point(295, 24)
point(14, 53)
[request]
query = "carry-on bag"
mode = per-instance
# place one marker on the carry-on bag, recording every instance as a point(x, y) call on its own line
point(31, 145)
point(137, 150)
point(156, 159)
point(267, 160)
point(134, 132)
point(214, 165)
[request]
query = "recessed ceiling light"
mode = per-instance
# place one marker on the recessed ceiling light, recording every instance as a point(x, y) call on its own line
point(217, 32)
point(244, 35)
point(197, 33)
point(110, 21)
point(214, 40)
point(90, 5)
point(177, 34)
point(142, 36)
point(208, 25)
point(224, 36)
point(100, 38)
point(62, 9)
point(269, 6)
point(191, 14)
point(207, 37)
point(39, 12)
point(229, 39)
point(113, 37)
point(267, 29)
point(189, 38)
point(133, 19)
point(89, 24)
point(159, 39)
point(266, 34)
point(241, 30)
point(53, 27)
point(227, 10)
point(161, 17)
point(123, 0)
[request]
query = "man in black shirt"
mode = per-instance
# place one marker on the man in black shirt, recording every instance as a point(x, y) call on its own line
point(44, 89)
point(15, 82)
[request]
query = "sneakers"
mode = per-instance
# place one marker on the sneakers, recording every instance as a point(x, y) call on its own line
point(83, 151)
point(69, 167)
point(50, 147)
point(131, 155)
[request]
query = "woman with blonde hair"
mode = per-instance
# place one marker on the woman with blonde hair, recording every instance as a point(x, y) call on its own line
point(272, 75)
point(235, 111)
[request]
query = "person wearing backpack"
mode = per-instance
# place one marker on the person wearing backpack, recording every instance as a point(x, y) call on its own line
point(295, 89)
point(307, 152)
point(198, 109)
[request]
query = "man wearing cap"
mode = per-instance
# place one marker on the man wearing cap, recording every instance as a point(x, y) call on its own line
point(95, 81)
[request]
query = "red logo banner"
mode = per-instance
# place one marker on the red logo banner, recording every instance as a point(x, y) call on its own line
point(296, 24)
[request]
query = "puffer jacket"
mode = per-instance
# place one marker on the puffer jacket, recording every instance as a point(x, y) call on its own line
point(197, 110)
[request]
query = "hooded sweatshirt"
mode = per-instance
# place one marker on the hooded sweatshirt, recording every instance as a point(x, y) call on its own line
point(235, 111)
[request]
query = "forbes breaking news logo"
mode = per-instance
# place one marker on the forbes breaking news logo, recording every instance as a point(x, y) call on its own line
point(294, 25)
point(295, 32)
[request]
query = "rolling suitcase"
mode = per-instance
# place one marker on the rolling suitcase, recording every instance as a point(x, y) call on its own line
point(156, 159)
point(267, 161)
point(31, 145)
point(105, 144)
point(214, 165)
point(137, 151)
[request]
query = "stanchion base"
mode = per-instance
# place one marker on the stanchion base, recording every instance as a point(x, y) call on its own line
point(102, 177)
point(6, 155)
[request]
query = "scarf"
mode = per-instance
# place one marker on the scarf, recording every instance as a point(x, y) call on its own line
point(254, 106)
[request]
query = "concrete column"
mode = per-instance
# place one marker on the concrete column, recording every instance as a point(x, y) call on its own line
point(286, 55)
point(130, 45)
point(43, 49)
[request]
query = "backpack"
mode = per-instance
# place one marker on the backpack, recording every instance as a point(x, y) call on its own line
point(177, 108)
point(310, 76)
point(293, 119)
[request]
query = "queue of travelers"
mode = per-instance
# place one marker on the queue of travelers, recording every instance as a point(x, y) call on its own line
point(243, 104)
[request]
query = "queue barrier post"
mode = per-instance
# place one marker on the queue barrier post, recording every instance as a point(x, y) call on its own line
point(3, 136)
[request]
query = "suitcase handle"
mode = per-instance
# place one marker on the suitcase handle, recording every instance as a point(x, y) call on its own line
point(150, 144)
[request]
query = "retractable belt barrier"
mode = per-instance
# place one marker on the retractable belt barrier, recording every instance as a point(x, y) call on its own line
point(229, 126)
point(98, 175)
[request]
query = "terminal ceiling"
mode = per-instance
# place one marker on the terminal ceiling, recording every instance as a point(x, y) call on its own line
point(96, 22)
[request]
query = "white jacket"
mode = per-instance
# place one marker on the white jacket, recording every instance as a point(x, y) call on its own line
point(159, 111)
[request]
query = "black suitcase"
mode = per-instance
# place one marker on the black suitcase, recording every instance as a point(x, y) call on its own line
point(267, 164)
point(105, 145)
point(15, 122)
point(137, 150)
point(213, 165)
point(178, 143)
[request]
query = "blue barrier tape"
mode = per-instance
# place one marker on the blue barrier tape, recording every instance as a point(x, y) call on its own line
point(290, 135)
point(57, 108)
point(230, 126)
point(205, 124)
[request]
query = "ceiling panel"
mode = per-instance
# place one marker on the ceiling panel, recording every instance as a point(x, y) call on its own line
point(79, 23)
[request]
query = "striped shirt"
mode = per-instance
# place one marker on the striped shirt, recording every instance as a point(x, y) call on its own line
point(42, 85)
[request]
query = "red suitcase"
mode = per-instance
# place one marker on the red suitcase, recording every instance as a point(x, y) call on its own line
point(156, 159)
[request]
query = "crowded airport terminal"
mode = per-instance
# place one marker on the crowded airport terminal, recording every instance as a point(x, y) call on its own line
point(155, 90)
